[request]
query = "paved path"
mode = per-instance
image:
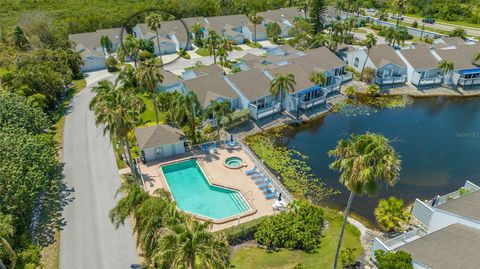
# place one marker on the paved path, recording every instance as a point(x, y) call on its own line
point(89, 240)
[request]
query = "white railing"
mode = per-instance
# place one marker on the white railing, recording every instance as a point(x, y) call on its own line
point(347, 76)
point(313, 102)
point(430, 81)
point(260, 166)
point(467, 188)
point(391, 80)
point(257, 114)
point(468, 81)
point(404, 238)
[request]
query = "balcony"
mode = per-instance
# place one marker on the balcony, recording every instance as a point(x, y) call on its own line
point(311, 103)
point(428, 81)
point(391, 80)
point(258, 114)
point(335, 86)
point(347, 76)
point(404, 238)
point(466, 189)
point(464, 82)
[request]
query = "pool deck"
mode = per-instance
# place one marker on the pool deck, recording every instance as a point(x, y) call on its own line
point(213, 166)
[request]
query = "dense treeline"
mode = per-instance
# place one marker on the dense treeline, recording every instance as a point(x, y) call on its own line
point(37, 67)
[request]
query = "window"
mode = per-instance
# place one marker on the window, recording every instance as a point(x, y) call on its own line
point(355, 63)
point(260, 103)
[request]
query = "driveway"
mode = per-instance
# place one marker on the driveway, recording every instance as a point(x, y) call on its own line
point(88, 239)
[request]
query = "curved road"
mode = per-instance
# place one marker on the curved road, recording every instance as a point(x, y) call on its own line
point(88, 239)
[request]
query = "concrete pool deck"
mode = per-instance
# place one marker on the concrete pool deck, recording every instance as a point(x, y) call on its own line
point(216, 172)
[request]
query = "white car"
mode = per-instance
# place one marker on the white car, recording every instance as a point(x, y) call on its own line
point(397, 17)
point(371, 10)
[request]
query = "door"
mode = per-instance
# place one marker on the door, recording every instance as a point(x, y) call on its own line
point(159, 152)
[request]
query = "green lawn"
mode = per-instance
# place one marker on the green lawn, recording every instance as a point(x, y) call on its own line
point(459, 23)
point(202, 52)
point(252, 45)
point(254, 257)
point(148, 116)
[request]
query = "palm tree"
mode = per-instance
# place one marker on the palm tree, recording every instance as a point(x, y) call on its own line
point(350, 91)
point(187, 108)
point(133, 196)
point(445, 66)
point(7, 230)
point(128, 78)
point(318, 78)
point(400, 6)
point(154, 22)
point(222, 51)
point(369, 43)
point(255, 19)
point(118, 111)
point(391, 213)
point(320, 40)
point(219, 110)
point(303, 7)
point(198, 35)
point(363, 162)
point(106, 44)
point(213, 42)
point(190, 245)
point(130, 49)
point(282, 84)
point(149, 75)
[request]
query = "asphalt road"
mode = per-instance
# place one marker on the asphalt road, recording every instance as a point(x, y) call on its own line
point(438, 25)
point(89, 240)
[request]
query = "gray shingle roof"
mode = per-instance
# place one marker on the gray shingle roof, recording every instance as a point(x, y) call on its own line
point(153, 136)
point(221, 23)
point(210, 87)
point(167, 28)
point(420, 58)
point(170, 78)
point(453, 247)
point(191, 21)
point(252, 83)
point(461, 56)
point(302, 80)
point(382, 55)
point(279, 15)
point(467, 206)
point(319, 59)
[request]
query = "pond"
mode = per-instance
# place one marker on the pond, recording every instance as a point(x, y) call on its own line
point(438, 140)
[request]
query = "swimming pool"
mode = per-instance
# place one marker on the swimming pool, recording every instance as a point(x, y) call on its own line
point(195, 195)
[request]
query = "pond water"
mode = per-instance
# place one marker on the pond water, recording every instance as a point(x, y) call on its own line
point(438, 140)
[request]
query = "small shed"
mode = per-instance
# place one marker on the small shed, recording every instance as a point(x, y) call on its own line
point(160, 141)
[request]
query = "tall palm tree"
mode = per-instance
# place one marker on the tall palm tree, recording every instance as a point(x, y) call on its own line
point(318, 78)
point(7, 230)
point(282, 84)
point(154, 22)
point(255, 19)
point(445, 66)
point(320, 40)
point(128, 78)
point(130, 49)
point(219, 110)
point(187, 110)
point(369, 43)
point(118, 111)
point(222, 51)
point(213, 42)
point(190, 245)
point(106, 44)
point(391, 213)
point(363, 162)
point(149, 75)
point(400, 6)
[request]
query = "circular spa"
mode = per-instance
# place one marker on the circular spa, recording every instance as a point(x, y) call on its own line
point(234, 162)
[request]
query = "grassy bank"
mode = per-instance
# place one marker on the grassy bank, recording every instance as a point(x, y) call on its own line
point(255, 257)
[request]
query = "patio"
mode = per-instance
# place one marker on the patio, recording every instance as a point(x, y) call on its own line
point(213, 166)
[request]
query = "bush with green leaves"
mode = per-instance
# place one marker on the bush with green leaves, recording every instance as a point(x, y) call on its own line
point(299, 227)
point(238, 117)
point(347, 257)
point(391, 214)
point(373, 90)
point(240, 233)
point(16, 112)
point(393, 260)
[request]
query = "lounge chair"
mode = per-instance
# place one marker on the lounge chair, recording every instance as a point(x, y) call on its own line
point(251, 171)
point(214, 147)
point(264, 185)
point(271, 195)
point(260, 180)
point(205, 149)
point(256, 175)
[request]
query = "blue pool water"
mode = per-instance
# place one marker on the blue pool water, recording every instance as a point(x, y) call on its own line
point(194, 194)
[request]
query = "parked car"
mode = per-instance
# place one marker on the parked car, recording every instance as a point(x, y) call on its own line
point(429, 20)
point(371, 10)
point(397, 17)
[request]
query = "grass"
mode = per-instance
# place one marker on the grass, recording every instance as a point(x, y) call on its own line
point(238, 48)
point(458, 23)
point(255, 46)
point(359, 30)
point(148, 116)
point(255, 257)
point(202, 52)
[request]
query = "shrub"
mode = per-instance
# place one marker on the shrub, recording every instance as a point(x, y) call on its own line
point(184, 54)
point(373, 90)
point(299, 227)
point(391, 214)
point(368, 74)
point(347, 258)
point(237, 118)
point(111, 64)
point(458, 32)
point(243, 232)
point(414, 24)
point(393, 260)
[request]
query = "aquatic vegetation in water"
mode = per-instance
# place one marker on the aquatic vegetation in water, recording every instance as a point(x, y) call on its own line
point(366, 105)
point(290, 164)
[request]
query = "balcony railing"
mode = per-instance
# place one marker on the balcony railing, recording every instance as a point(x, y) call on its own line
point(404, 238)
point(347, 76)
point(468, 81)
point(429, 81)
point(391, 80)
point(311, 103)
point(456, 194)
point(257, 114)
point(331, 88)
